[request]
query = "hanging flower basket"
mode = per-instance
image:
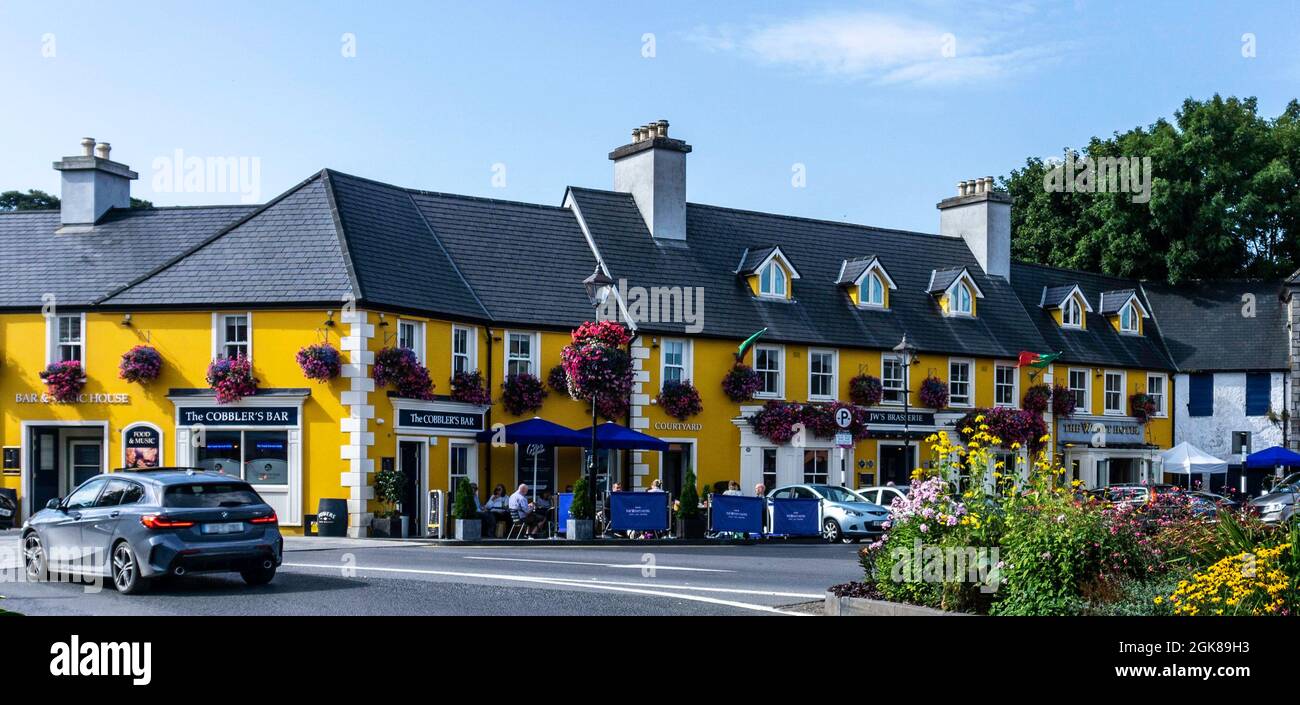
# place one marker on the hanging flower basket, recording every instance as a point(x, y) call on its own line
point(865, 390)
point(558, 380)
point(320, 362)
point(934, 393)
point(1005, 424)
point(1143, 406)
point(468, 387)
point(141, 364)
point(741, 383)
point(231, 379)
point(777, 420)
point(596, 364)
point(522, 393)
point(680, 400)
point(1063, 403)
point(1037, 398)
point(64, 380)
point(399, 368)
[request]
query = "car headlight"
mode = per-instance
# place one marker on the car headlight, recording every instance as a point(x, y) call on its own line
point(853, 512)
point(1273, 507)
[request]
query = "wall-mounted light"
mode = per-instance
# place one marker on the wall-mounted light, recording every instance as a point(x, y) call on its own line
point(126, 320)
point(329, 319)
point(383, 322)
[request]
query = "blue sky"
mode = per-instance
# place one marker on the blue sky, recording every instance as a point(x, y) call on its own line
point(886, 105)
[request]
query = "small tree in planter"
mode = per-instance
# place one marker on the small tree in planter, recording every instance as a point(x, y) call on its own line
point(389, 488)
point(522, 393)
point(468, 387)
point(468, 525)
point(865, 390)
point(690, 525)
point(320, 362)
point(232, 379)
point(1063, 402)
point(680, 400)
point(741, 382)
point(64, 380)
point(141, 364)
point(581, 524)
point(934, 393)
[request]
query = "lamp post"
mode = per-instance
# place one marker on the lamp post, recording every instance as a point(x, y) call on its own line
point(598, 286)
point(908, 352)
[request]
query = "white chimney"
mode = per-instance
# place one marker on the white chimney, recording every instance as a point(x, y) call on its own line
point(653, 169)
point(92, 184)
point(982, 217)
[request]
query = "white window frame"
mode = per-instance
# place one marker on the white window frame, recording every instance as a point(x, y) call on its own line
point(834, 374)
point(1015, 384)
point(1162, 409)
point(1105, 392)
point(780, 371)
point(471, 459)
point(865, 289)
point(471, 352)
point(52, 344)
point(970, 382)
point(1072, 304)
point(902, 379)
point(1132, 316)
point(803, 466)
point(953, 298)
point(769, 289)
point(534, 342)
point(219, 341)
point(685, 365)
point(417, 328)
point(1086, 405)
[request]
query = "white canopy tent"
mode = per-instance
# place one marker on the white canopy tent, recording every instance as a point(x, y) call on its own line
point(1187, 459)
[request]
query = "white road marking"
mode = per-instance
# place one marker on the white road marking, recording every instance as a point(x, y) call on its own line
point(557, 583)
point(598, 565)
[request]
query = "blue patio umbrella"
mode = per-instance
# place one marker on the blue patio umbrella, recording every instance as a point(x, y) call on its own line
point(612, 435)
point(534, 431)
point(1273, 457)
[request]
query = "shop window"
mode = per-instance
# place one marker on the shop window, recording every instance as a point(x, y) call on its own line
point(816, 466)
point(767, 362)
point(769, 468)
point(233, 332)
point(257, 457)
point(1004, 385)
point(891, 379)
point(462, 350)
point(959, 383)
point(520, 350)
point(821, 374)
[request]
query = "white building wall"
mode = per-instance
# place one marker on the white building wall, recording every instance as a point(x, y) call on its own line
point(1213, 434)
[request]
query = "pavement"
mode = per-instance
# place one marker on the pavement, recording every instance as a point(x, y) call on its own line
point(329, 576)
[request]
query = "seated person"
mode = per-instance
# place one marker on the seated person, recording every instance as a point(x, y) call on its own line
point(498, 509)
point(521, 507)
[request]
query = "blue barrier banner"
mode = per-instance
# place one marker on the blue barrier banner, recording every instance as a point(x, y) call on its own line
point(638, 511)
point(735, 513)
point(796, 517)
point(563, 501)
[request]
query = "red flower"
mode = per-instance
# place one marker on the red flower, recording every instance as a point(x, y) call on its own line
point(680, 400)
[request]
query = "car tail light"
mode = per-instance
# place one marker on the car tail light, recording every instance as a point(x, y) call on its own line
point(157, 521)
point(268, 519)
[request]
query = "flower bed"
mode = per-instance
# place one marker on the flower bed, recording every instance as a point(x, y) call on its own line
point(469, 388)
point(232, 379)
point(64, 380)
point(320, 362)
point(141, 364)
point(680, 400)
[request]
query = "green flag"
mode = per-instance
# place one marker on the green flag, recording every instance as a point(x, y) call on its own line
point(740, 351)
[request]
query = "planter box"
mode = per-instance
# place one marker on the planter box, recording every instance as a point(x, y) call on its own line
point(385, 527)
point(580, 530)
point(692, 528)
point(469, 529)
point(861, 607)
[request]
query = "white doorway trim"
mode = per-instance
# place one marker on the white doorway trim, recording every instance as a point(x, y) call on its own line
point(24, 469)
point(422, 486)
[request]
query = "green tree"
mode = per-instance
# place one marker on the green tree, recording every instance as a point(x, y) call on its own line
point(581, 507)
point(39, 200)
point(463, 506)
point(688, 505)
point(1224, 200)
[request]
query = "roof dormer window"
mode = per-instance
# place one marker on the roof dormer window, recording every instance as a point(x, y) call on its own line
point(956, 290)
point(1069, 301)
point(1124, 310)
point(771, 281)
point(866, 281)
point(768, 272)
point(961, 300)
point(1128, 319)
point(1072, 314)
point(872, 291)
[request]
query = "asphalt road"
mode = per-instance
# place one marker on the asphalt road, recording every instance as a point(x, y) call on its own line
point(363, 577)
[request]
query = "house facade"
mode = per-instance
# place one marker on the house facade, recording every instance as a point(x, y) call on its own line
point(472, 284)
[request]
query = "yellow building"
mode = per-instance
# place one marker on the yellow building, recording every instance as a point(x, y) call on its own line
point(471, 284)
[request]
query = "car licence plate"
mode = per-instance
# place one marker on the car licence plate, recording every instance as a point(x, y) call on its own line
point(6, 513)
point(231, 527)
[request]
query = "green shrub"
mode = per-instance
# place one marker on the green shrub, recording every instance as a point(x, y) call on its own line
point(1048, 552)
point(688, 505)
point(581, 508)
point(463, 506)
point(390, 486)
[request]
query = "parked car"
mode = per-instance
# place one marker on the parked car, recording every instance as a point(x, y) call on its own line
point(1278, 505)
point(1131, 493)
point(133, 527)
point(8, 511)
point(846, 516)
point(884, 495)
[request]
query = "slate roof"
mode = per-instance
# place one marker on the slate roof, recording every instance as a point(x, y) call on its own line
point(1054, 296)
point(79, 268)
point(751, 258)
point(820, 312)
point(1205, 326)
point(1099, 343)
point(1113, 301)
point(853, 268)
point(942, 279)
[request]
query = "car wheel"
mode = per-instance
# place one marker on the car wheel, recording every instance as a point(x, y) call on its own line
point(125, 571)
point(831, 531)
point(34, 558)
point(258, 575)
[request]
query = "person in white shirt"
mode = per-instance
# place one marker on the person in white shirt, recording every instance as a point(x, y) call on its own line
point(520, 507)
point(733, 489)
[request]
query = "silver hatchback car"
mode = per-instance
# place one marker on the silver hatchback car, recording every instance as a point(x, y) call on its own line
point(846, 515)
point(133, 527)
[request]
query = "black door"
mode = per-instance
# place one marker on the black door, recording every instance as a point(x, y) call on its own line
point(896, 464)
point(676, 460)
point(409, 463)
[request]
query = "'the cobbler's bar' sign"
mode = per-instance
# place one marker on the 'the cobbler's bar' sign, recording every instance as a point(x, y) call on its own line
point(440, 420)
point(222, 416)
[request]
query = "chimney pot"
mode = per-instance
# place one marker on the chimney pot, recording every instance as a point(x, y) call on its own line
point(92, 185)
point(662, 128)
point(88, 146)
point(102, 150)
point(988, 183)
point(636, 135)
point(961, 188)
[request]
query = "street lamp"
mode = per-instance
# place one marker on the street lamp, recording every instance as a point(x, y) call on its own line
point(908, 353)
point(598, 286)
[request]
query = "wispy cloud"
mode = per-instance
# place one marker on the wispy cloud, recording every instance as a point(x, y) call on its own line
point(883, 48)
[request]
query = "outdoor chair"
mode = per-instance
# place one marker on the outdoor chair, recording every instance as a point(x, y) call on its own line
point(516, 526)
